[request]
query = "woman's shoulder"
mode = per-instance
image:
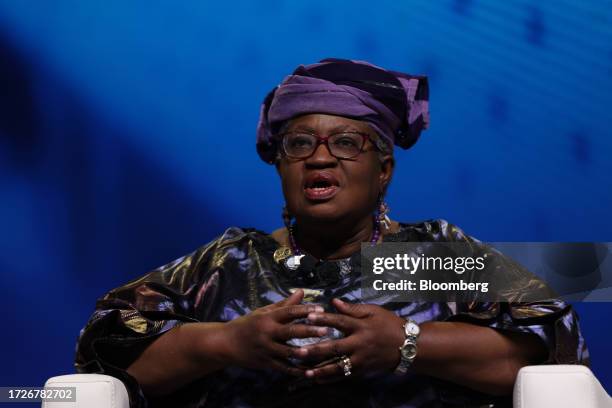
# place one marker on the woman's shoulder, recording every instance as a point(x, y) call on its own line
point(236, 240)
point(435, 229)
point(234, 244)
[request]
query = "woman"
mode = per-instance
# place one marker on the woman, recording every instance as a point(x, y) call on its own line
point(256, 319)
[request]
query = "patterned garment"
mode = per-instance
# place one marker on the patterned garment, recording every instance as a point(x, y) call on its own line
point(236, 273)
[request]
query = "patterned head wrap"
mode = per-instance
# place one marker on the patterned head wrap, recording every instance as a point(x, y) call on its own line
point(394, 104)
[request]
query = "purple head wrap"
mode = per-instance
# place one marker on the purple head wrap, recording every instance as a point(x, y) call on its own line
point(394, 104)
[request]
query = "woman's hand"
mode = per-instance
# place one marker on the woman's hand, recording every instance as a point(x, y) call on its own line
point(372, 339)
point(258, 340)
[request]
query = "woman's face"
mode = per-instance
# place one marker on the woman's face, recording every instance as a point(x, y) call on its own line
point(325, 188)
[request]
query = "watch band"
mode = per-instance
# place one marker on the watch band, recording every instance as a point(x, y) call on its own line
point(408, 350)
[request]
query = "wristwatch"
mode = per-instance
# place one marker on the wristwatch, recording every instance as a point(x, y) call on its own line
point(408, 350)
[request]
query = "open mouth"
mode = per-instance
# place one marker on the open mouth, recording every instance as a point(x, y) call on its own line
point(320, 186)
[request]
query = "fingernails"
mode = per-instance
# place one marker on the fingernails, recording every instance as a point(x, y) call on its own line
point(309, 373)
point(322, 331)
point(302, 352)
point(312, 316)
point(319, 309)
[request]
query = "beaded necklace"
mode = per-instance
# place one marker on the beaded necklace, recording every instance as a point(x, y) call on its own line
point(297, 251)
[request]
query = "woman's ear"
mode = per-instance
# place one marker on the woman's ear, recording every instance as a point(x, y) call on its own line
point(387, 164)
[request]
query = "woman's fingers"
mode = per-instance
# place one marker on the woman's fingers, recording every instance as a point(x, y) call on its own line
point(288, 314)
point(328, 373)
point(285, 353)
point(299, 331)
point(280, 356)
point(294, 299)
point(344, 323)
point(358, 310)
point(327, 349)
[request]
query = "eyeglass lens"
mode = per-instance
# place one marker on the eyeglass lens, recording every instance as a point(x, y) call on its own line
point(341, 145)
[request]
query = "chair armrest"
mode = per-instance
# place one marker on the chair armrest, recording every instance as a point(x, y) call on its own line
point(92, 391)
point(559, 386)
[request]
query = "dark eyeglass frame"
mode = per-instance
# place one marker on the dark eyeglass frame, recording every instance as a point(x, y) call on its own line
point(325, 140)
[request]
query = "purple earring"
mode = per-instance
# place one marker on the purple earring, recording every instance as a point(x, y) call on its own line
point(287, 221)
point(382, 212)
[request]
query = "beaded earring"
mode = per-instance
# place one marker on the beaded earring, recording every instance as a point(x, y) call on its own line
point(287, 221)
point(382, 212)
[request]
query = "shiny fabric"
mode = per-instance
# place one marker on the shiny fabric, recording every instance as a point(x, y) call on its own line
point(395, 105)
point(236, 274)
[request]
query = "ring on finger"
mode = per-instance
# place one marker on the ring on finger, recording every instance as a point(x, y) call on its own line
point(345, 363)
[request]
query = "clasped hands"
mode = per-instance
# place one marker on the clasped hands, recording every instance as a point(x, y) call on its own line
point(372, 337)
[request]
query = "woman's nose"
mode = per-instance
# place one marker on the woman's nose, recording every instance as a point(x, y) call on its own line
point(321, 156)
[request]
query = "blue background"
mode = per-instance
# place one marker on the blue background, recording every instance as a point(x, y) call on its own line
point(127, 135)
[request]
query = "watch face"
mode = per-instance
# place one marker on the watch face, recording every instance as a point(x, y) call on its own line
point(412, 329)
point(409, 351)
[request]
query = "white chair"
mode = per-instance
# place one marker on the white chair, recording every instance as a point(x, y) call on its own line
point(559, 386)
point(545, 386)
point(92, 391)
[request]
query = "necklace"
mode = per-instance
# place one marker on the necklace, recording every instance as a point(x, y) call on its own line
point(295, 249)
point(291, 257)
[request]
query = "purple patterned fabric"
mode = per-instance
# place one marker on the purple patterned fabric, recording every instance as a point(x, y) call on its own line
point(236, 274)
point(394, 104)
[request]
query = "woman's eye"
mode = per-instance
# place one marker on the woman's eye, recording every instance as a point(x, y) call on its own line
point(346, 141)
point(301, 141)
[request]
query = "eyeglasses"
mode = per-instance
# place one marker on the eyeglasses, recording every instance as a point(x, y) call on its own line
point(343, 145)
